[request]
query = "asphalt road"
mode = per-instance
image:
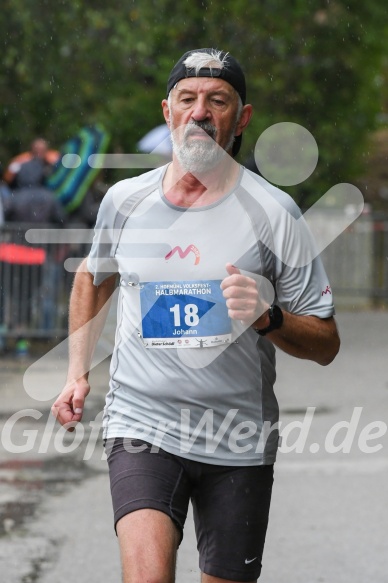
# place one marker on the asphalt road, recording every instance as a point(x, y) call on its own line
point(329, 514)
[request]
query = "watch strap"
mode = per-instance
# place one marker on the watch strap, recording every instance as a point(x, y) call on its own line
point(275, 315)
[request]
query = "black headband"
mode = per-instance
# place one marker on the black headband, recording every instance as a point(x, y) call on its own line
point(231, 72)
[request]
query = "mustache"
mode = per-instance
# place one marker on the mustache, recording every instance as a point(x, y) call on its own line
point(206, 126)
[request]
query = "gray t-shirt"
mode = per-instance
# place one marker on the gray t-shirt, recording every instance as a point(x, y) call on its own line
point(184, 376)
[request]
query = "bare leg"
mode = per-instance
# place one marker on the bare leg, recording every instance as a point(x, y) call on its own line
point(148, 545)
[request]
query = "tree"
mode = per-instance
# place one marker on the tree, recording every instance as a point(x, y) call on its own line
point(314, 63)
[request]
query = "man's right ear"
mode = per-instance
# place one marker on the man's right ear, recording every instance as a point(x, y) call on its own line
point(166, 111)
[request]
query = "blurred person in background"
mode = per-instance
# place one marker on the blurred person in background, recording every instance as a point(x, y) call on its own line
point(29, 274)
point(32, 167)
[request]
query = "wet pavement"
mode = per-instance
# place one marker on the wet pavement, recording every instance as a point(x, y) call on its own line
point(329, 515)
point(36, 479)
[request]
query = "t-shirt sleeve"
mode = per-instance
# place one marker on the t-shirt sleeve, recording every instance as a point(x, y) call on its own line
point(101, 262)
point(301, 283)
point(305, 290)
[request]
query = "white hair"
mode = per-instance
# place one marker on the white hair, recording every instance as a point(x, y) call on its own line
point(211, 60)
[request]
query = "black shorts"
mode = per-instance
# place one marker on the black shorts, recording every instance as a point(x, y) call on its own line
point(231, 503)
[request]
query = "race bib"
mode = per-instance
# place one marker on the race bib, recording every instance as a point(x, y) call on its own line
point(184, 314)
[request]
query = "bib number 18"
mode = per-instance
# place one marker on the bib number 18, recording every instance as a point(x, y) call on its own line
point(191, 314)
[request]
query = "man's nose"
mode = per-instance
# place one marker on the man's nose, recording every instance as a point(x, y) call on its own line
point(200, 111)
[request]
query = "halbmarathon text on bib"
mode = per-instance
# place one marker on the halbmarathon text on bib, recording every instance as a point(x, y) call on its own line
point(184, 314)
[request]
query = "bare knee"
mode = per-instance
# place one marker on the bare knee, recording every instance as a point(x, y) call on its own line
point(148, 544)
point(146, 579)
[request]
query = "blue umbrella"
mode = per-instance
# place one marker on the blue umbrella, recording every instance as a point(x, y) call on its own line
point(157, 141)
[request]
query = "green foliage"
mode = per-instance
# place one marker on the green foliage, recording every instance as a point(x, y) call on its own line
point(314, 62)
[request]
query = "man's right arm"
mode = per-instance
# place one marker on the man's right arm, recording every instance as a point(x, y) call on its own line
point(89, 305)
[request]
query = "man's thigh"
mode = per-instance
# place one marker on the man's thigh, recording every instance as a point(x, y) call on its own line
point(231, 508)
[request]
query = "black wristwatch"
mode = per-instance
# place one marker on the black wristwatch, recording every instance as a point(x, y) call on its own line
point(275, 320)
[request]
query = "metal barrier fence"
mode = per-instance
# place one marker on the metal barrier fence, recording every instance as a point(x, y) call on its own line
point(357, 261)
point(35, 286)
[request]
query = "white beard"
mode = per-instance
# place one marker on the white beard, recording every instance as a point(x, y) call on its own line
point(198, 155)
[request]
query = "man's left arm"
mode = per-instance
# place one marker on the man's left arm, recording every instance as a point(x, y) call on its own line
point(306, 337)
point(302, 336)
